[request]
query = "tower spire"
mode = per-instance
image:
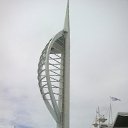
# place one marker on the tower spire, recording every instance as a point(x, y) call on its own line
point(67, 20)
point(66, 91)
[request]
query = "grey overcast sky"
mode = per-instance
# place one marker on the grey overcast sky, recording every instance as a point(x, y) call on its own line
point(99, 58)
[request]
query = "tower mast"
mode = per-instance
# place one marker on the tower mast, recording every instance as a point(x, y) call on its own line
point(66, 111)
point(67, 19)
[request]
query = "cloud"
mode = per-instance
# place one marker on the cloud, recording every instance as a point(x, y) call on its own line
point(98, 58)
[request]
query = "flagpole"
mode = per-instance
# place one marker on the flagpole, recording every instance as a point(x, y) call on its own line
point(99, 115)
point(110, 112)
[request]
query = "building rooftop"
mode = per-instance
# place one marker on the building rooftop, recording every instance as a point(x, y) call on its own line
point(121, 120)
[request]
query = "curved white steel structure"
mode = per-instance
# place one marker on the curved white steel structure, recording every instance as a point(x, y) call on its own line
point(50, 75)
point(54, 73)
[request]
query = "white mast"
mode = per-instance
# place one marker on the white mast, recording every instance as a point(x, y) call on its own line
point(66, 111)
point(67, 20)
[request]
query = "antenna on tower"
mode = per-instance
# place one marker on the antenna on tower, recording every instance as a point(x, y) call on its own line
point(67, 20)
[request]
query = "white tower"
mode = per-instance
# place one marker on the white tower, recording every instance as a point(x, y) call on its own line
point(54, 75)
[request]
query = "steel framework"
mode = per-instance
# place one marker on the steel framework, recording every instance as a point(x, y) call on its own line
point(54, 75)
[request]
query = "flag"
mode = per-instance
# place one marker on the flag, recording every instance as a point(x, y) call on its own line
point(114, 99)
